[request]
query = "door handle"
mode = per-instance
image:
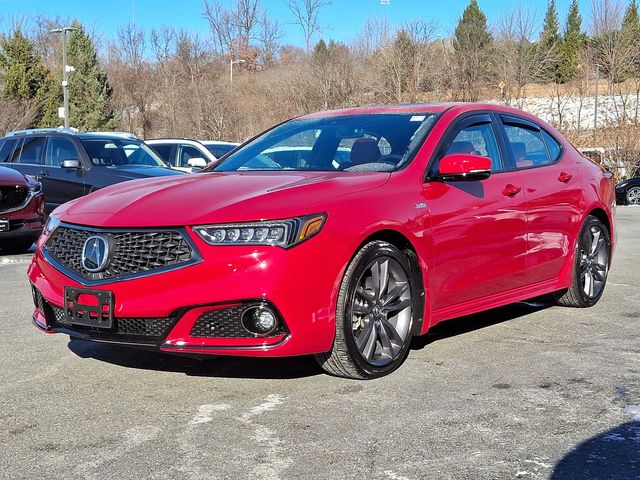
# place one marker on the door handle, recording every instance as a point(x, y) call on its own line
point(44, 173)
point(511, 190)
point(564, 177)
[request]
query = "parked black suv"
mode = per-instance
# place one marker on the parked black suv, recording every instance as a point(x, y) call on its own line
point(71, 164)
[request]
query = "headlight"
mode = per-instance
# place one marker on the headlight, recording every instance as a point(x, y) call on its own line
point(35, 186)
point(52, 223)
point(280, 233)
point(622, 184)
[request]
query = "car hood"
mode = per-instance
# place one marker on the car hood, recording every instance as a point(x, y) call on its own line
point(133, 172)
point(204, 198)
point(9, 176)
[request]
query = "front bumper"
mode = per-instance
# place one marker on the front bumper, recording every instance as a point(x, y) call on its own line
point(299, 284)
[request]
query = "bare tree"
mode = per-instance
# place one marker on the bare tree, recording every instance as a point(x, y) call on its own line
point(269, 40)
point(306, 14)
point(130, 74)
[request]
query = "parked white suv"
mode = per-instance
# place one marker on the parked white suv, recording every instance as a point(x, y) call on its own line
point(190, 155)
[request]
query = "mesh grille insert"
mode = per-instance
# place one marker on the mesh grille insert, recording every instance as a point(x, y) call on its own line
point(132, 252)
point(12, 197)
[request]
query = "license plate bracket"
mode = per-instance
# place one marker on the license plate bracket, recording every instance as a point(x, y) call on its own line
point(97, 312)
point(4, 225)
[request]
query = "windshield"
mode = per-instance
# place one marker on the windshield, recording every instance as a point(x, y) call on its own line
point(352, 143)
point(115, 153)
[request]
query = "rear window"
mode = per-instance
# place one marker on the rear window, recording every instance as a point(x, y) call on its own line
point(119, 152)
point(164, 150)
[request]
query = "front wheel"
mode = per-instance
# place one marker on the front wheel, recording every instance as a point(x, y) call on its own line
point(633, 196)
point(375, 314)
point(591, 266)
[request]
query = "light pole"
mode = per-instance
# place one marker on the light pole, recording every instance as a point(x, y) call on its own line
point(232, 62)
point(65, 70)
point(595, 108)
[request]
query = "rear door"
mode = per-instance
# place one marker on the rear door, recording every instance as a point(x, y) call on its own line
point(478, 227)
point(553, 192)
point(61, 184)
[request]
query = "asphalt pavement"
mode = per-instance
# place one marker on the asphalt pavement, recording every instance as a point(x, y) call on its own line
point(527, 391)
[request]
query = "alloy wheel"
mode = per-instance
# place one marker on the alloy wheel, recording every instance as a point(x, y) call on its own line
point(633, 196)
point(594, 261)
point(381, 311)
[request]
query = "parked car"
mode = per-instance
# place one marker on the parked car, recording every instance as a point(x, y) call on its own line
point(70, 164)
point(441, 210)
point(190, 155)
point(628, 192)
point(21, 211)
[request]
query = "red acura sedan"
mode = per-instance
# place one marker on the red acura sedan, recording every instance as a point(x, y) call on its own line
point(372, 225)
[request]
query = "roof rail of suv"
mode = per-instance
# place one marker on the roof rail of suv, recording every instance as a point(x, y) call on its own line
point(115, 134)
point(35, 131)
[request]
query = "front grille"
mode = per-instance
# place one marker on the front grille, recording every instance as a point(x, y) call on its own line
point(221, 323)
point(132, 252)
point(12, 197)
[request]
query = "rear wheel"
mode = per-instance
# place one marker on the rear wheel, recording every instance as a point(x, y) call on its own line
point(633, 196)
point(591, 266)
point(374, 316)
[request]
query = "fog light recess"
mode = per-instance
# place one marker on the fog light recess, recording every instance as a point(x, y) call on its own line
point(260, 320)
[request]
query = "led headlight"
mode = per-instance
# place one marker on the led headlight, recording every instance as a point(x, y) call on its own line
point(52, 223)
point(280, 233)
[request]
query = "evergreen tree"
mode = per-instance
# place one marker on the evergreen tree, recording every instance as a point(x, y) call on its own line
point(631, 38)
point(573, 43)
point(22, 70)
point(550, 45)
point(471, 45)
point(631, 18)
point(89, 90)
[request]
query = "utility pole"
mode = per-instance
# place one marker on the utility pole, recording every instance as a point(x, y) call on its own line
point(232, 62)
point(65, 71)
point(595, 107)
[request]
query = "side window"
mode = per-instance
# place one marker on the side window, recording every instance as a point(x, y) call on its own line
point(553, 146)
point(32, 150)
point(164, 150)
point(478, 139)
point(6, 149)
point(186, 153)
point(59, 150)
point(527, 147)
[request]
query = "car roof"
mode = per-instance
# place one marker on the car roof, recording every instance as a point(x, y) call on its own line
point(171, 140)
point(69, 132)
point(418, 108)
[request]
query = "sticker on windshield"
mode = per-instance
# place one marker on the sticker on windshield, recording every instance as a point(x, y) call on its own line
point(418, 118)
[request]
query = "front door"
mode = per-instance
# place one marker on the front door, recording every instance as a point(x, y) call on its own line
point(478, 227)
point(61, 184)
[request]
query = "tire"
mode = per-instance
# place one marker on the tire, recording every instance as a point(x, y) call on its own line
point(9, 247)
point(591, 266)
point(374, 325)
point(632, 196)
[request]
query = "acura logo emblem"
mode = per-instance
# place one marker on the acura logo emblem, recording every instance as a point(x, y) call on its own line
point(95, 253)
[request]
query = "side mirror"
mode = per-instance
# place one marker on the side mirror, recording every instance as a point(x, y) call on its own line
point(71, 163)
point(197, 162)
point(464, 167)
